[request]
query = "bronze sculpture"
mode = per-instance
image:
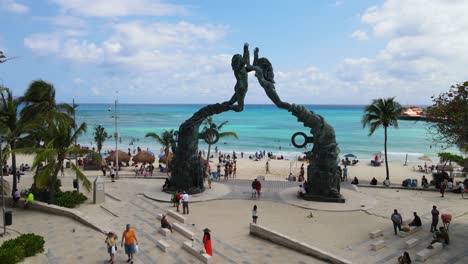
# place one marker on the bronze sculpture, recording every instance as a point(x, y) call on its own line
point(323, 179)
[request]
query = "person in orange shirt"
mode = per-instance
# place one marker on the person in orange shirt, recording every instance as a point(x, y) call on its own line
point(130, 239)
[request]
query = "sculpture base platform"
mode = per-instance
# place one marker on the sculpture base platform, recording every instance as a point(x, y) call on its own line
point(190, 190)
point(320, 198)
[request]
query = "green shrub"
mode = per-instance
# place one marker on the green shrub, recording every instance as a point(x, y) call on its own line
point(69, 199)
point(11, 255)
point(32, 244)
point(15, 250)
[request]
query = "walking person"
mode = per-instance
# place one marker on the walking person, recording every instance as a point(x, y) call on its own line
point(443, 186)
point(435, 218)
point(207, 241)
point(112, 173)
point(62, 173)
point(254, 189)
point(397, 221)
point(267, 167)
point(258, 188)
point(103, 169)
point(111, 243)
point(345, 173)
point(185, 201)
point(130, 240)
point(254, 214)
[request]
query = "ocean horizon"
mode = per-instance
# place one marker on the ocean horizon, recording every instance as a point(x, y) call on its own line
point(259, 127)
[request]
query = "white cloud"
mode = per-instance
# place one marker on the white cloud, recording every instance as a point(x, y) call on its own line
point(134, 45)
point(44, 44)
point(66, 21)
point(359, 35)
point(425, 51)
point(112, 8)
point(13, 6)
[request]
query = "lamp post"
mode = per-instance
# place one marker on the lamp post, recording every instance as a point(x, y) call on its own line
point(76, 155)
point(116, 136)
point(3, 193)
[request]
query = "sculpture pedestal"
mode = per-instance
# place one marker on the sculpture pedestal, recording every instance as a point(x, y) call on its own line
point(319, 198)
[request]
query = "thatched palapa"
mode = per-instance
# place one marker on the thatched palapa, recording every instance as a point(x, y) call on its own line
point(163, 159)
point(144, 156)
point(123, 157)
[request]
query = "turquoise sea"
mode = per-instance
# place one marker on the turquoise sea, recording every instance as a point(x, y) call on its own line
point(259, 127)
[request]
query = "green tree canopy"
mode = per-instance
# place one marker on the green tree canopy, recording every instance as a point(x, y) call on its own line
point(449, 113)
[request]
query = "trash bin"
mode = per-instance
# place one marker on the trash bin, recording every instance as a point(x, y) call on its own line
point(75, 184)
point(8, 218)
point(67, 165)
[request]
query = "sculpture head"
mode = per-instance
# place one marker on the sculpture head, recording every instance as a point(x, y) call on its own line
point(267, 68)
point(236, 62)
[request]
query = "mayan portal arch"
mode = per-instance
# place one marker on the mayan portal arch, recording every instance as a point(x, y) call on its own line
point(323, 179)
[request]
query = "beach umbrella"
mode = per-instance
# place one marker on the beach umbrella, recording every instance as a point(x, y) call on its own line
point(425, 158)
point(350, 155)
point(163, 159)
point(123, 157)
point(144, 156)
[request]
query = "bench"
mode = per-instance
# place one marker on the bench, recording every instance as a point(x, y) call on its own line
point(205, 258)
point(426, 253)
point(165, 231)
point(410, 243)
point(413, 229)
point(377, 245)
point(176, 216)
point(183, 230)
point(376, 233)
point(163, 245)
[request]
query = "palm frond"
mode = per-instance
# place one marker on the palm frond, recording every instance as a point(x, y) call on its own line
point(228, 134)
point(81, 177)
point(44, 174)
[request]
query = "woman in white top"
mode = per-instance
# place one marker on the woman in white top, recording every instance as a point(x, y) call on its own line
point(254, 214)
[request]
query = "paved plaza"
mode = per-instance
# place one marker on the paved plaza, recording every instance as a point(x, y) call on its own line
point(68, 241)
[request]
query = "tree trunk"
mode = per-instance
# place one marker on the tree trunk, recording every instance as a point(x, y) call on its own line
point(13, 168)
point(385, 150)
point(208, 159)
point(54, 181)
point(166, 154)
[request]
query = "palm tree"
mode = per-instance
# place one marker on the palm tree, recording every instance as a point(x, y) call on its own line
point(39, 99)
point(208, 131)
point(60, 136)
point(39, 106)
point(100, 135)
point(165, 138)
point(382, 112)
point(12, 126)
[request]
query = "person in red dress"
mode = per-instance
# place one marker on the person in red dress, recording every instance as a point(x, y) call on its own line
point(207, 241)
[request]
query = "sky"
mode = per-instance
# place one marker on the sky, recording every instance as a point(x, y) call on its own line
point(164, 51)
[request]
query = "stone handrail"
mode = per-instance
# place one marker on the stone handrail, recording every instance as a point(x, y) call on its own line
point(275, 237)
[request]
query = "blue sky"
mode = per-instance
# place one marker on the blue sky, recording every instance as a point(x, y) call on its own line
point(149, 51)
